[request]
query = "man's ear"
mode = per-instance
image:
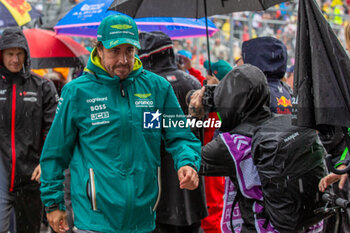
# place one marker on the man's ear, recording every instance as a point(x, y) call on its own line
point(99, 51)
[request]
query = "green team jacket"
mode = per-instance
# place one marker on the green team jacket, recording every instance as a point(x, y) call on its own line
point(99, 132)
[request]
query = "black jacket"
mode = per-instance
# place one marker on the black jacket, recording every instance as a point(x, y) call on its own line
point(334, 142)
point(27, 108)
point(176, 207)
point(242, 99)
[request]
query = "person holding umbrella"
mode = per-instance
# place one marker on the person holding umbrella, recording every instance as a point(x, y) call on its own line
point(27, 108)
point(108, 130)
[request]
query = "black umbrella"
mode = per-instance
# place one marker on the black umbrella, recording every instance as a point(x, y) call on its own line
point(322, 73)
point(189, 8)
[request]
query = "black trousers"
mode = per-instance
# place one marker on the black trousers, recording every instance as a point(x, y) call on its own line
point(28, 209)
point(166, 228)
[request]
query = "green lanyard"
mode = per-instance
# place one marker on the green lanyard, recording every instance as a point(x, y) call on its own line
point(342, 158)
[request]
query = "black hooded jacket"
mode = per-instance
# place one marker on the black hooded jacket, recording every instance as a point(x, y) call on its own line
point(27, 108)
point(176, 207)
point(157, 55)
point(270, 55)
point(242, 99)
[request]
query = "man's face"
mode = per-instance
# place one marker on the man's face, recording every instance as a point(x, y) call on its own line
point(13, 59)
point(118, 60)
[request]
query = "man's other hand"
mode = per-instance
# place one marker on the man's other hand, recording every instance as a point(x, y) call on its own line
point(36, 174)
point(211, 79)
point(332, 178)
point(58, 221)
point(196, 108)
point(188, 178)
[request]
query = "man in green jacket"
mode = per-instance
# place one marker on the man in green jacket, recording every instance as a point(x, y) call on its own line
point(108, 129)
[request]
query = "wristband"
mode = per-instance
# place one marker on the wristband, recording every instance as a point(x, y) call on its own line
point(51, 208)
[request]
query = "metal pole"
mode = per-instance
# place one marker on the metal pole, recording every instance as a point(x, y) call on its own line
point(207, 32)
point(231, 39)
point(250, 24)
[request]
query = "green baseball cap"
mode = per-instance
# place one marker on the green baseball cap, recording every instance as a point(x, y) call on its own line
point(219, 68)
point(118, 29)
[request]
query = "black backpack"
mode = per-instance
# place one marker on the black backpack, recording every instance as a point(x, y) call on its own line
point(289, 161)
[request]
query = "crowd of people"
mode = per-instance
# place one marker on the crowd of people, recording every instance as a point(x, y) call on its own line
point(119, 137)
point(279, 22)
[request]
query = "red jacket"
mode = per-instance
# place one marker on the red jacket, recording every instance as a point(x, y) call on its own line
point(198, 74)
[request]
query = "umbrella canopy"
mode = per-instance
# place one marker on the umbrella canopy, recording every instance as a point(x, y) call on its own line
point(322, 72)
point(49, 50)
point(188, 8)
point(84, 19)
point(175, 27)
point(16, 13)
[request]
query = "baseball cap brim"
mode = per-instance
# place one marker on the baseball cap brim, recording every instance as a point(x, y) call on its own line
point(108, 44)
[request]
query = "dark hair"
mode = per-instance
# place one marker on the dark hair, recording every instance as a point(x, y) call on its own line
point(97, 44)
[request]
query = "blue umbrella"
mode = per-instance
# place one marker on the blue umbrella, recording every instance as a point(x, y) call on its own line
point(176, 28)
point(16, 14)
point(85, 17)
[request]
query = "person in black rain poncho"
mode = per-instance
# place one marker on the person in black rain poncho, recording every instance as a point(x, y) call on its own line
point(178, 210)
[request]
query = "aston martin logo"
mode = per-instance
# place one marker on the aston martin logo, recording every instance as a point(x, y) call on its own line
point(143, 96)
point(121, 26)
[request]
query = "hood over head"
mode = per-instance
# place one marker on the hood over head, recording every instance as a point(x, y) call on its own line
point(157, 53)
point(268, 54)
point(242, 96)
point(13, 37)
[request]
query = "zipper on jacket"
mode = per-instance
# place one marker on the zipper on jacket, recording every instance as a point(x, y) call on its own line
point(122, 92)
point(159, 175)
point(13, 144)
point(126, 134)
point(92, 189)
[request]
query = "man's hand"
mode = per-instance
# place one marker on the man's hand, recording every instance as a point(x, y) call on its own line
point(58, 221)
point(36, 174)
point(332, 178)
point(212, 79)
point(188, 178)
point(196, 108)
